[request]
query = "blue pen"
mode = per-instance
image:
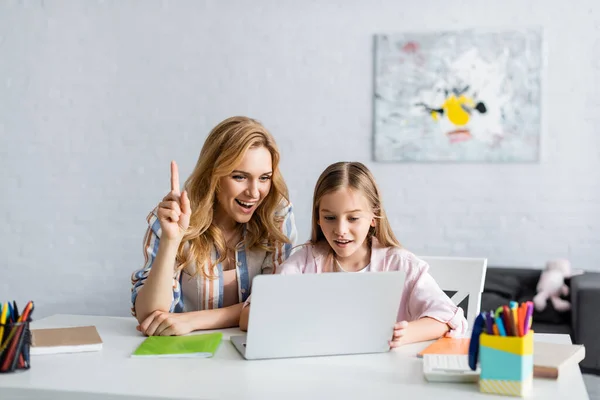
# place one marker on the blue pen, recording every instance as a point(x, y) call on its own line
point(10, 312)
point(478, 326)
point(500, 326)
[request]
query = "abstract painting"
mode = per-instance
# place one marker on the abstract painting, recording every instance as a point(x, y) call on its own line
point(464, 96)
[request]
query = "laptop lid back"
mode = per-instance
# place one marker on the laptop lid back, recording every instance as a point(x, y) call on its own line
point(322, 314)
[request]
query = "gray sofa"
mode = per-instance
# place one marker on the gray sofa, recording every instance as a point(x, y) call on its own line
point(582, 322)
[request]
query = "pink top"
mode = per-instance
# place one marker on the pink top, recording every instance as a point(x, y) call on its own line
point(421, 297)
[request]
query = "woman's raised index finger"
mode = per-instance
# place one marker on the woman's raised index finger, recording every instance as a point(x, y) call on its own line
point(174, 177)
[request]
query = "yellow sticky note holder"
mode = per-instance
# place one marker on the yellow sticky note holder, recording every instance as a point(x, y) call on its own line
point(506, 364)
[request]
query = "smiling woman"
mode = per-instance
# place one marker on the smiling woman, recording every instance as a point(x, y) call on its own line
point(203, 245)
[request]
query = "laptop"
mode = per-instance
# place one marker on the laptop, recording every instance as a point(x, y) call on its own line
point(303, 315)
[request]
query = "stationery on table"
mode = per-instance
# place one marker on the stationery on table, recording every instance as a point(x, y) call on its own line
point(448, 368)
point(65, 340)
point(199, 345)
point(446, 360)
point(550, 358)
point(14, 336)
point(447, 345)
point(502, 342)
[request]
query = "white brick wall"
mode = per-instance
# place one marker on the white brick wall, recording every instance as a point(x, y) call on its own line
point(97, 97)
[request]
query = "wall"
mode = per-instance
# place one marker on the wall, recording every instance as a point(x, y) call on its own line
point(97, 97)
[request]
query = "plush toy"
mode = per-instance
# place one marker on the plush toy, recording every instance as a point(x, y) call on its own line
point(552, 285)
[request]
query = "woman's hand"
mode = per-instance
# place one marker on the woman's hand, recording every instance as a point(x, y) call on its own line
point(174, 211)
point(400, 330)
point(161, 323)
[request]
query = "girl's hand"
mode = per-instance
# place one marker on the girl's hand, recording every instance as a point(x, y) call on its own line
point(400, 329)
point(174, 211)
point(161, 323)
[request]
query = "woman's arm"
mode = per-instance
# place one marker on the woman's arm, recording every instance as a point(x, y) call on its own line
point(219, 318)
point(156, 293)
point(160, 323)
point(155, 286)
point(244, 315)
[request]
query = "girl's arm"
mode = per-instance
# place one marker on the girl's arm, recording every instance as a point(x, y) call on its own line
point(431, 312)
point(418, 331)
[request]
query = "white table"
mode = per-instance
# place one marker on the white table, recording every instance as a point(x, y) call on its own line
point(113, 374)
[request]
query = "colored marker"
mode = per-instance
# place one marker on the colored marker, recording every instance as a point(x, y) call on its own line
point(3, 314)
point(528, 317)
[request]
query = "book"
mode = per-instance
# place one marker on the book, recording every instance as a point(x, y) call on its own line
point(65, 340)
point(550, 358)
point(447, 346)
point(202, 345)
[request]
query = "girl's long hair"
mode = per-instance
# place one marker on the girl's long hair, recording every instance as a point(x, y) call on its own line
point(355, 176)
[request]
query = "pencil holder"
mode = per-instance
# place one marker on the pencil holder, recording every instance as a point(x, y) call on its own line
point(15, 342)
point(506, 364)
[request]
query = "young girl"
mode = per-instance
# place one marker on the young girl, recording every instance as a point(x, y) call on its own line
point(204, 244)
point(350, 233)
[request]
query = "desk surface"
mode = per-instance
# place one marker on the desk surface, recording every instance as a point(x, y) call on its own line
point(112, 374)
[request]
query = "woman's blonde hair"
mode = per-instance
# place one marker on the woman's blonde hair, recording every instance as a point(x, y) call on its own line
point(223, 150)
point(355, 176)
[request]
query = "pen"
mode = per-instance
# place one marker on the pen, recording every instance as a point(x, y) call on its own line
point(26, 311)
point(3, 314)
point(521, 318)
point(528, 317)
point(500, 326)
point(15, 312)
point(497, 316)
point(532, 311)
point(24, 319)
point(474, 342)
point(13, 346)
point(506, 320)
point(489, 323)
point(512, 322)
point(10, 313)
point(10, 346)
point(515, 316)
point(17, 356)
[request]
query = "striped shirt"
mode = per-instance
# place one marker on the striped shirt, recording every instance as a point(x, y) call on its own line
point(194, 292)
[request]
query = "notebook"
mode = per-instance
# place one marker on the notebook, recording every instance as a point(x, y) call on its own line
point(446, 345)
point(550, 358)
point(65, 340)
point(203, 345)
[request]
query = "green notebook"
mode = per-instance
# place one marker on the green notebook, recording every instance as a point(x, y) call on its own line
point(203, 345)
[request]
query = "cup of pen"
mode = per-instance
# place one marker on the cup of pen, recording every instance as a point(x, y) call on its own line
point(506, 364)
point(15, 345)
point(506, 352)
